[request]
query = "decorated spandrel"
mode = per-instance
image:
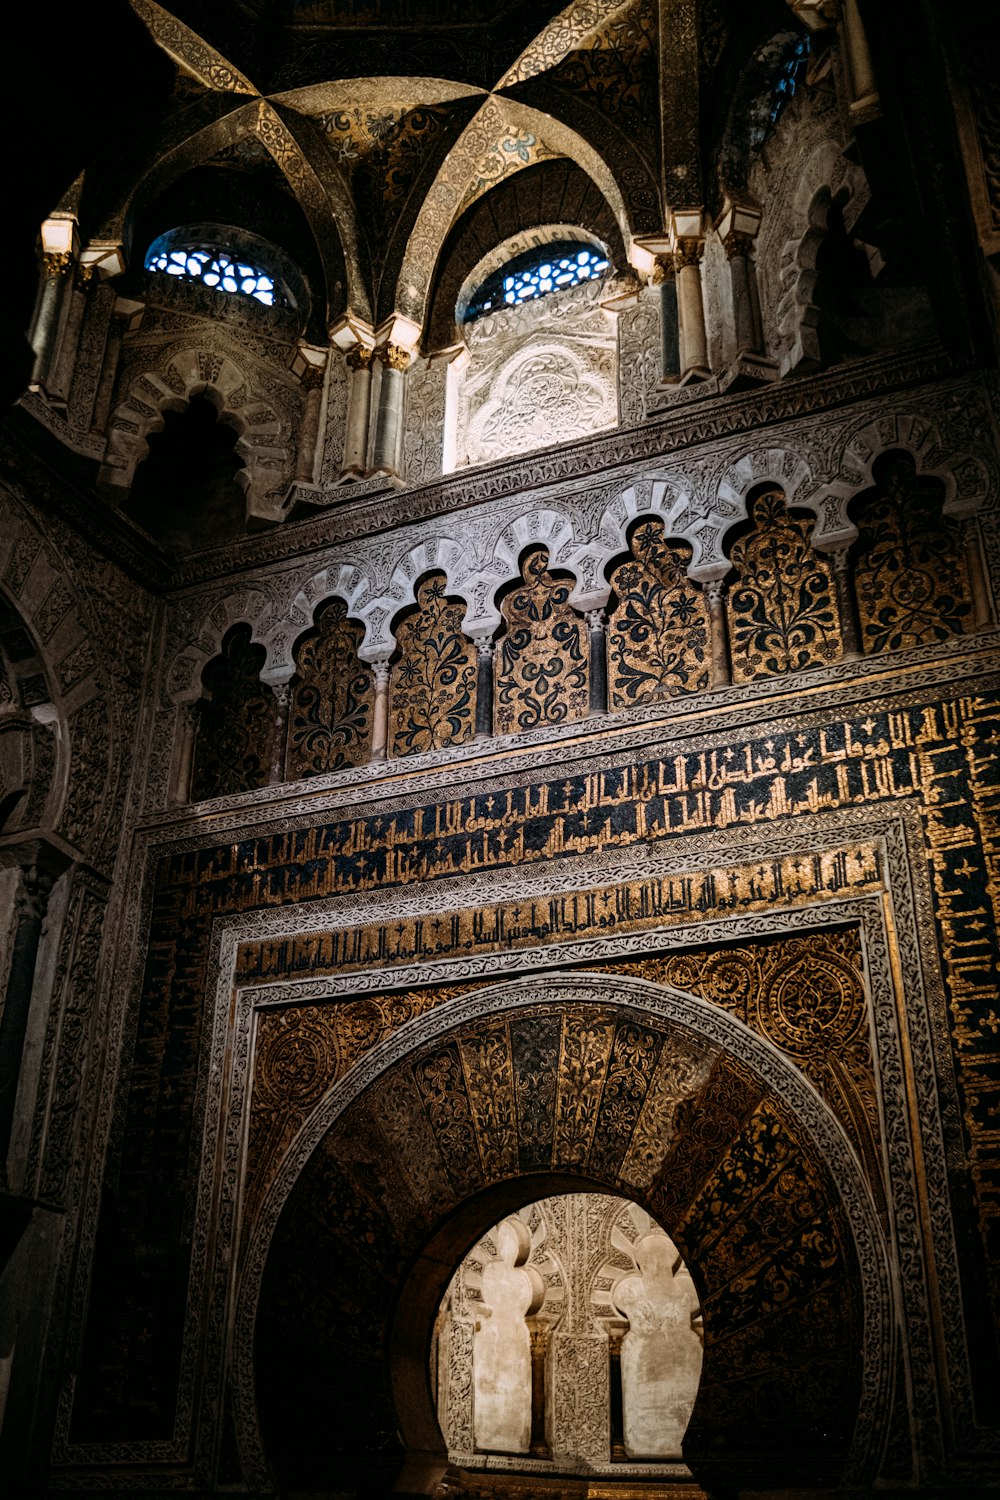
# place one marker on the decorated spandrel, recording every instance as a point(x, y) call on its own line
point(330, 711)
point(658, 630)
point(236, 723)
point(910, 577)
point(544, 666)
point(433, 685)
point(782, 608)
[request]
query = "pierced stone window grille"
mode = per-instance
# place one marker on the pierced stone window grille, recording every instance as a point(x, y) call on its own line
point(217, 269)
point(536, 273)
point(788, 78)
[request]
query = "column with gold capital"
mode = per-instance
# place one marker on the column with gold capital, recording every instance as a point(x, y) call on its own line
point(617, 1329)
point(380, 717)
point(690, 304)
point(311, 381)
point(388, 456)
point(56, 289)
point(538, 1331)
point(359, 402)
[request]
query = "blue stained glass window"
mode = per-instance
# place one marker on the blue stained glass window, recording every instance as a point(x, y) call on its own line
point(216, 269)
point(789, 77)
point(535, 274)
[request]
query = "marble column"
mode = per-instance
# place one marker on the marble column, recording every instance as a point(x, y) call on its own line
point(359, 401)
point(380, 718)
point(485, 650)
point(715, 593)
point(670, 354)
point(539, 1333)
point(282, 696)
point(984, 617)
point(617, 1329)
point(30, 907)
point(388, 456)
point(312, 388)
point(597, 636)
point(186, 732)
point(847, 604)
point(691, 311)
point(746, 306)
point(117, 325)
point(57, 285)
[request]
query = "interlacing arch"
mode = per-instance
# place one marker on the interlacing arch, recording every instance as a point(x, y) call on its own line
point(265, 441)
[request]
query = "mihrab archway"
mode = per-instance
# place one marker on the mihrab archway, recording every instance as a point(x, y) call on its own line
point(518, 1090)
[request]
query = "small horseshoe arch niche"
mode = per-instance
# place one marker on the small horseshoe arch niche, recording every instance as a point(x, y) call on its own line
point(494, 1100)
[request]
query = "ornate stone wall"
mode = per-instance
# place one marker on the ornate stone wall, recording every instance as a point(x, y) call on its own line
point(538, 374)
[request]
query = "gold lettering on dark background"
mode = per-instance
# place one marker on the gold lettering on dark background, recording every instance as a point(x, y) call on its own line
point(943, 756)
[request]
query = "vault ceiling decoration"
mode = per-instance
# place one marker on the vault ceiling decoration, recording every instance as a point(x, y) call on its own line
point(387, 124)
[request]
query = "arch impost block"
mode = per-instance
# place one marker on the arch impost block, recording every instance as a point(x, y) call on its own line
point(712, 572)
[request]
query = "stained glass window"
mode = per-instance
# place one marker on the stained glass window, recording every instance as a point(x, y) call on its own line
point(216, 269)
point(789, 77)
point(535, 274)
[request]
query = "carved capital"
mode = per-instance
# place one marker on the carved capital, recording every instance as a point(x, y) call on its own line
point(688, 253)
point(359, 358)
point(539, 1341)
point(311, 378)
point(394, 356)
point(595, 621)
point(33, 895)
point(485, 649)
point(663, 270)
point(380, 672)
point(57, 262)
point(715, 591)
point(737, 244)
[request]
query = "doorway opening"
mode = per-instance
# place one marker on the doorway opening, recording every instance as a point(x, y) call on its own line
point(569, 1341)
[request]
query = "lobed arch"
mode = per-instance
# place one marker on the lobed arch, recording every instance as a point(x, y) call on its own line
point(376, 592)
point(825, 175)
point(466, 174)
point(148, 390)
point(442, 1212)
point(49, 643)
point(350, 582)
point(970, 482)
point(655, 498)
point(183, 677)
point(783, 468)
